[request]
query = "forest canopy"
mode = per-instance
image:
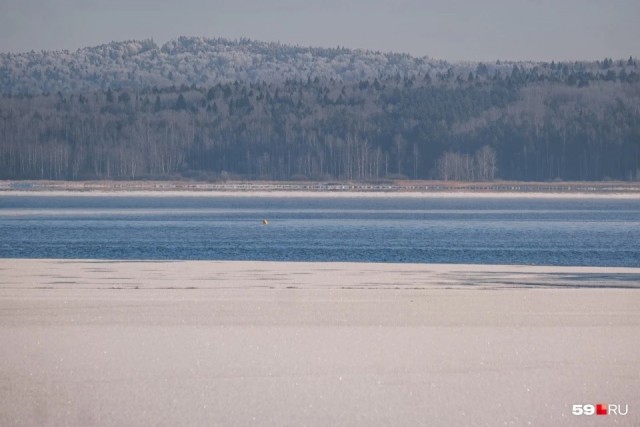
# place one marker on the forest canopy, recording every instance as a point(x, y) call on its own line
point(537, 122)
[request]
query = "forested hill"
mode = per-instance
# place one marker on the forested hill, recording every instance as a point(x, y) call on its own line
point(212, 109)
point(194, 60)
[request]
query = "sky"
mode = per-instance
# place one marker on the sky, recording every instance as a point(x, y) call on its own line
point(455, 30)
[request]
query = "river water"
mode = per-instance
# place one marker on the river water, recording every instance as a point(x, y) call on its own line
point(539, 231)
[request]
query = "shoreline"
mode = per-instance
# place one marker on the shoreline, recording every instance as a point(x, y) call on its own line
point(191, 274)
point(317, 194)
point(402, 189)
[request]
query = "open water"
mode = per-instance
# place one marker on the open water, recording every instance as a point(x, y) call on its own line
point(588, 232)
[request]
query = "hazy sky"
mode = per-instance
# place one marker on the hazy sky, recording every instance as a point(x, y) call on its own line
point(447, 29)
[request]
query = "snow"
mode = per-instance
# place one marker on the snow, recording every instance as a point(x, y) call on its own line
point(322, 194)
point(237, 343)
point(216, 60)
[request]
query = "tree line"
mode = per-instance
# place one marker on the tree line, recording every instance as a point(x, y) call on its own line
point(517, 126)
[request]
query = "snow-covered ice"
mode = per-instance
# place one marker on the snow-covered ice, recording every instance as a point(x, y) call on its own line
point(272, 343)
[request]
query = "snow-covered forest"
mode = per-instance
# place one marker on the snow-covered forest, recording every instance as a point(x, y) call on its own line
point(199, 61)
point(214, 108)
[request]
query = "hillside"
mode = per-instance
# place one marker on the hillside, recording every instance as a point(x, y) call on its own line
point(195, 61)
point(219, 109)
point(136, 64)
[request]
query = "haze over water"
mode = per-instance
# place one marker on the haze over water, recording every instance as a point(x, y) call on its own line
point(585, 232)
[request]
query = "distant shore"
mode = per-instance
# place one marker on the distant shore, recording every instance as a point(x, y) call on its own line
point(617, 189)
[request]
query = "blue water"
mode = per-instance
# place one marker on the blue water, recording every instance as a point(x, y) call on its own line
point(594, 232)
